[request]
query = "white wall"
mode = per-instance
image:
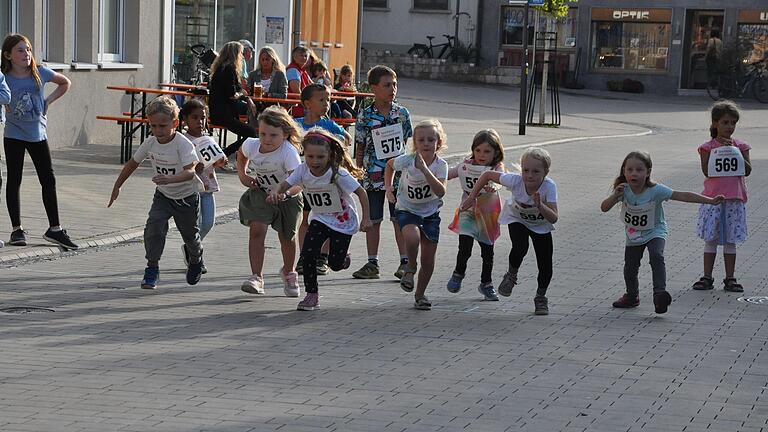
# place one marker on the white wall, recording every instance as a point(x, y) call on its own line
point(275, 8)
point(399, 28)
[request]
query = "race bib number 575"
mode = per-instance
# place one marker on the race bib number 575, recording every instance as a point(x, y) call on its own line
point(388, 141)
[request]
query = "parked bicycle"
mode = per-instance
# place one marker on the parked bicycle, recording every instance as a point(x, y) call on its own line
point(735, 83)
point(205, 57)
point(428, 51)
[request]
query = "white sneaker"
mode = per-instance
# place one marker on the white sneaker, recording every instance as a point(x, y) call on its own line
point(290, 283)
point(254, 285)
point(2, 243)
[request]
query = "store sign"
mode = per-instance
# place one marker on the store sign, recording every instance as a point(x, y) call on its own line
point(752, 16)
point(632, 15)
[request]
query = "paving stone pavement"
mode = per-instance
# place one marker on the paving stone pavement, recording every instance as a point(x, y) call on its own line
point(113, 357)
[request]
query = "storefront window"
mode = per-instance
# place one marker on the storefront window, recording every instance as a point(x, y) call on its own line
point(630, 45)
point(512, 18)
point(754, 39)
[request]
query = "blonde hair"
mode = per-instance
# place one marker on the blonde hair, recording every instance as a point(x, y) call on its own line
point(277, 116)
point(438, 127)
point(493, 139)
point(5, 63)
point(337, 152)
point(539, 154)
point(276, 63)
point(231, 54)
point(163, 105)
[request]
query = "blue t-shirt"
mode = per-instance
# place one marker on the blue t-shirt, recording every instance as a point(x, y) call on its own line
point(657, 194)
point(325, 123)
point(293, 74)
point(25, 120)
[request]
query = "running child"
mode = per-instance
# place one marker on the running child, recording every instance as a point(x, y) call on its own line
point(173, 159)
point(418, 202)
point(273, 156)
point(328, 178)
point(381, 132)
point(194, 114)
point(643, 217)
point(481, 222)
point(725, 163)
point(530, 212)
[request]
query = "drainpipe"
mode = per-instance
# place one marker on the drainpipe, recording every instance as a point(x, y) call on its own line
point(296, 23)
point(456, 31)
point(359, 47)
point(479, 30)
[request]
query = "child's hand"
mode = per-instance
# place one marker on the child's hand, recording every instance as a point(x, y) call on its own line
point(249, 182)
point(161, 179)
point(113, 197)
point(717, 200)
point(418, 162)
point(391, 196)
point(221, 162)
point(274, 198)
point(365, 225)
point(619, 190)
point(468, 203)
point(536, 199)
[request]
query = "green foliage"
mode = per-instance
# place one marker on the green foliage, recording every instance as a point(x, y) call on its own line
point(556, 8)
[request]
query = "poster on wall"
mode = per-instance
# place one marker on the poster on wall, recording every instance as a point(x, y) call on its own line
point(275, 30)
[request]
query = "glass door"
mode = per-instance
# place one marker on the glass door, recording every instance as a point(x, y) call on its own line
point(700, 27)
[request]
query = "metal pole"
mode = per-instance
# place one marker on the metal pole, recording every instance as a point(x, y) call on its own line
point(359, 48)
point(296, 25)
point(456, 31)
point(524, 74)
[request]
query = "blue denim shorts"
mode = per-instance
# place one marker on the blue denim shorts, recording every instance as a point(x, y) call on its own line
point(429, 226)
point(376, 201)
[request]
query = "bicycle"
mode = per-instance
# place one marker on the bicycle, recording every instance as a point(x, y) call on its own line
point(205, 58)
point(428, 51)
point(734, 83)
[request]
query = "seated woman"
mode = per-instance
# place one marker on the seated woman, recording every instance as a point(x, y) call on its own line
point(226, 99)
point(297, 74)
point(270, 73)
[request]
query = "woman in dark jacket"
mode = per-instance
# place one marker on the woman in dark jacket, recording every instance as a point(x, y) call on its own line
point(226, 99)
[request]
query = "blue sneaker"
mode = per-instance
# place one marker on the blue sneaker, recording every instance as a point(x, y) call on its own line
point(487, 290)
point(454, 283)
point(194, 271)
point(151, 275)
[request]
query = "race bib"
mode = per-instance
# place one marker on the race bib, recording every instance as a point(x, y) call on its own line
point(323, 199)
point(530, 215)
point(640, 217)
point(165, 163)
point(269, 176)
point(726, 161)
point(417, 190)
point(388, 141)
point(208, 150)
point(469, 174)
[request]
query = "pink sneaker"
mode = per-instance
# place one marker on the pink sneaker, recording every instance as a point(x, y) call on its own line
point(311, 302)
point(290, 283)
point(254, 285)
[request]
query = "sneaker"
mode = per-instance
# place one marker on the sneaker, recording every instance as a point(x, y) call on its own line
point(661, 301)
point(347, 262)
point(185, 254)
point(60, 238)
point(422, 304)
point(254, 285)
point(626, 301)
point(368, 271)
point(540, 305)
point(311, 302)
point(300, 265)
point(194, 271)
point(454, 283)
point(401, 270)
point(151, 275)
point(2, 243)
point(204, 269)
point(290, 283)
point(509, 282)
point(18, 238)
point(487, 290)
point(322, 265)
point(406, 282)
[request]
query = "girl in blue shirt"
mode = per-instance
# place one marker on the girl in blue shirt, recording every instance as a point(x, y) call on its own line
point(25, 130)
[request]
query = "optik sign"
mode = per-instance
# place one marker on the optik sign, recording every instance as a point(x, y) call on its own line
point(631, 14)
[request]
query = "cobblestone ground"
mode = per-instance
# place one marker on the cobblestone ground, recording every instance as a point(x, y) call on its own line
point(113, 357)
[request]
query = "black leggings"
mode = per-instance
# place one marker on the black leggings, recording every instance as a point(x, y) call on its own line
point(41, 158)
point(465, 251)
point(230, 119)
point(542, 245)
point(317, 234)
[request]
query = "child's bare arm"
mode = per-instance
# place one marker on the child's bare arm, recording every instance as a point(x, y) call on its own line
point(126, 172)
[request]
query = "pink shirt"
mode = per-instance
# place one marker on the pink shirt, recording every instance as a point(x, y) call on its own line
point(730, 187)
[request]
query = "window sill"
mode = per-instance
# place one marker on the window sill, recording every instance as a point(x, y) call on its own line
point(377, 9)
point(84, 66)
point(56, 65)
point(117, 66)
point(430, 11)
point(618, 71)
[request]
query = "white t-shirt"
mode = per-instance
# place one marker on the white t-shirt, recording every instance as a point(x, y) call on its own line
point(414, 194)
point(519, 207)
point(208, 175)
point(346, 221)
point(170, 159)
point(270, 169)
point(468, 174)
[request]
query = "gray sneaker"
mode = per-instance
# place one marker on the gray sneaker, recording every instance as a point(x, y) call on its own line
point(509, 282)
point(540, 305)
point(486, 289)
point(368, 271)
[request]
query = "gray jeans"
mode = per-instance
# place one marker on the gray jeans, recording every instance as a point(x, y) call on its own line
point(632, 257)
point(184, 212)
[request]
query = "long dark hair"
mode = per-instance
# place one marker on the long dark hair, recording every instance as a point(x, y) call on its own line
point(721, 109)
point(5, 64)
point(643, 157)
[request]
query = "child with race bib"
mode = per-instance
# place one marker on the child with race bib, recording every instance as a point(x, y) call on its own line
point(381, 132)
point(481, 222)
point(328, 178)
point(173, 159)
point(644, 224)
point(272, 156)
point(418, 202)
point(194, 114)
point(725, 163)
point(530, 212)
